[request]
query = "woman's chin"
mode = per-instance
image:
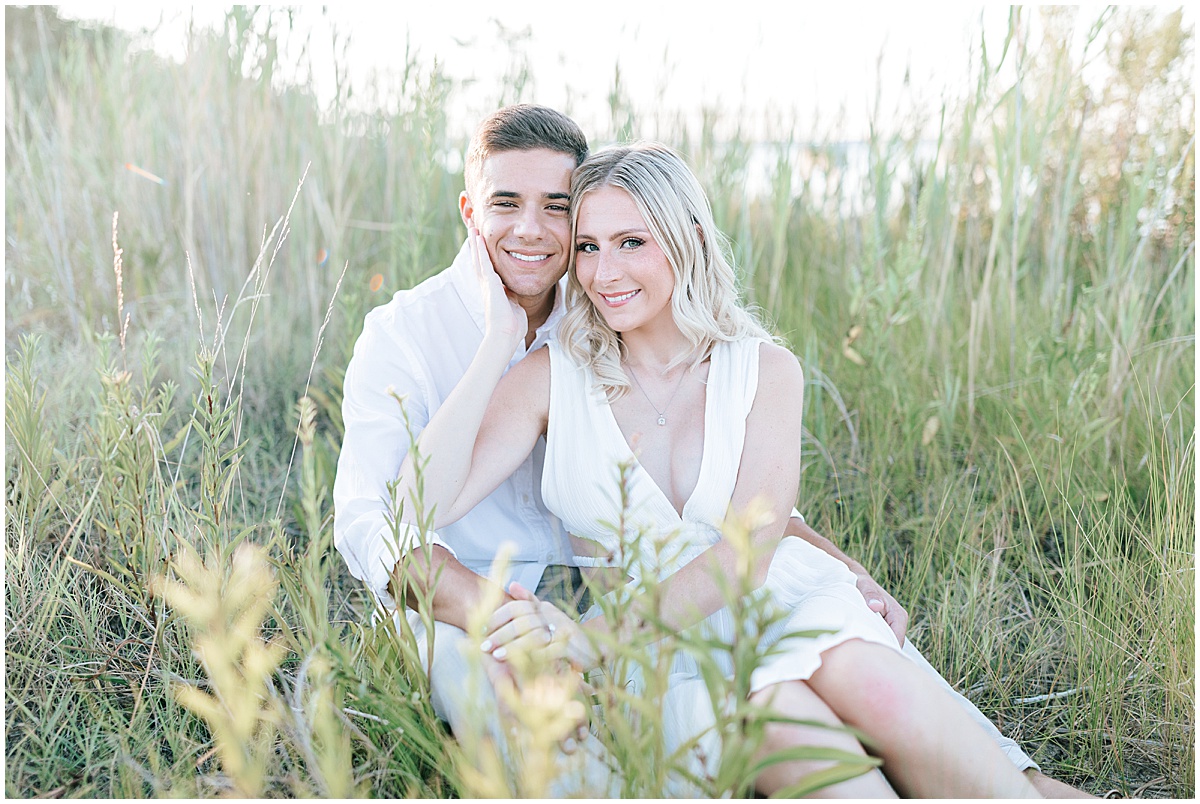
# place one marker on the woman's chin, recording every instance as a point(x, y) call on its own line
point(618, 326)
point(615, 322)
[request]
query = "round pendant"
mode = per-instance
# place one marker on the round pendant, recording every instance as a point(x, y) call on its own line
point(662, 420)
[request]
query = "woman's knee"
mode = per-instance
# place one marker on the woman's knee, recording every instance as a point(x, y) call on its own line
point(859, 676)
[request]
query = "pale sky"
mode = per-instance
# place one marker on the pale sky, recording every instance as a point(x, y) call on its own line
point(808, 62)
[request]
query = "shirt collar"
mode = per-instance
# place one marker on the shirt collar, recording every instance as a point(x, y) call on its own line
point(462, 275)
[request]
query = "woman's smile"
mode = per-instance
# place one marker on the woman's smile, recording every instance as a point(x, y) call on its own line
point(617, 299)
point(618, 262)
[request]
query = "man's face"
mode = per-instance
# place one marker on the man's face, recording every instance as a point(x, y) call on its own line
point(520, 206)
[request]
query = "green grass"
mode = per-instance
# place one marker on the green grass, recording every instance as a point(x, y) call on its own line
point(995, 309)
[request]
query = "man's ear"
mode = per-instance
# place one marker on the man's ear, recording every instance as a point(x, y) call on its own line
point(466, 209)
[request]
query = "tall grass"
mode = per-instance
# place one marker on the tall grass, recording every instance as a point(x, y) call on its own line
point(993, 301)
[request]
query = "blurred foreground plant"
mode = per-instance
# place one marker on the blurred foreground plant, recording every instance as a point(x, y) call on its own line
point(639, 700)
point(224, 607)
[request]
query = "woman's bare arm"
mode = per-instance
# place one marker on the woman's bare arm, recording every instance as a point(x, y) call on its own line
point(487, 426)
point(498, 449)
point(478, 437)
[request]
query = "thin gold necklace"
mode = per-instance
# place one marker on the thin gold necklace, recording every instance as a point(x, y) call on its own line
point(662, 414)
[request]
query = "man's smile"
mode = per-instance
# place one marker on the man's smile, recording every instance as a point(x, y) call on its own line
point(528, 257)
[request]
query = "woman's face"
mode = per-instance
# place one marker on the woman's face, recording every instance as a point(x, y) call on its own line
point(619, 264)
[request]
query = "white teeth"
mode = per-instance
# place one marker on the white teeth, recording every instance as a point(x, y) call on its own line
point(524, 258)
point(621, 298)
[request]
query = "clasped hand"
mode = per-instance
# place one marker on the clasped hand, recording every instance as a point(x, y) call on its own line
point(539, 629)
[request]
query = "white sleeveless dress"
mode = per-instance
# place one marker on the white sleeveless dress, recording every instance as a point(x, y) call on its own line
point(585, 447)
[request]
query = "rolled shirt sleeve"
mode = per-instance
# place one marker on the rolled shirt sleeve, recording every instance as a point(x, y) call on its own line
point(384, 407)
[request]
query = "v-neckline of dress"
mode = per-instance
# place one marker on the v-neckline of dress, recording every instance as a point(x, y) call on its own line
point(680, 514)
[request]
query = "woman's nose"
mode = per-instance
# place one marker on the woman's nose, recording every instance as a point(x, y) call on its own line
point(608, 269)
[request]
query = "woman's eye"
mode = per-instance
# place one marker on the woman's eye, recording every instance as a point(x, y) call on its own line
point(585, 248)
point(631, 242)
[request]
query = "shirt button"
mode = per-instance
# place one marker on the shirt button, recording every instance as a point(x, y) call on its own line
point(549, 557)
point(525, 498)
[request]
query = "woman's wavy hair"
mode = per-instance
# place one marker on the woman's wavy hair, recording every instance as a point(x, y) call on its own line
point(705, 300)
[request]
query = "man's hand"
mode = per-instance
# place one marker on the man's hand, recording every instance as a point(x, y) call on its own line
point(877, 599)
point(456, 592)
point(880, 602)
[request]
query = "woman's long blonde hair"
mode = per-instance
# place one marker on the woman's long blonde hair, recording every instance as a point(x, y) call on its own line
point(705, 301)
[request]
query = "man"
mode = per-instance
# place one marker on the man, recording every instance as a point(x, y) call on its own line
point(417, 347)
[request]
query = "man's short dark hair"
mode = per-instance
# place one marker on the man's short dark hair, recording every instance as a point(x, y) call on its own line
point(523, 127)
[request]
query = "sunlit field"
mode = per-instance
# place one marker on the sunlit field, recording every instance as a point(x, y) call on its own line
point(993, 301)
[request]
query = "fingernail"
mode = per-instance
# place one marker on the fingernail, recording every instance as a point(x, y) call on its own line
point(570, 745)
point(485, 645)
point(499, 653)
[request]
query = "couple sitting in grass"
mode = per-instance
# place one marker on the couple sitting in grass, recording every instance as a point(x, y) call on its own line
point(528, 392)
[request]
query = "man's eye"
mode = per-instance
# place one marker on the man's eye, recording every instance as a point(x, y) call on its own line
point(558, 208)
point(585, 248)
point(504, 204)
point(631, 242)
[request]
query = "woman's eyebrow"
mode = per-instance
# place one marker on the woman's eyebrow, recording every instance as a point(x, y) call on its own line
point(613, 236)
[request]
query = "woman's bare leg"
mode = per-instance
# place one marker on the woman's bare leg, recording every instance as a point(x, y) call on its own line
point(796, 699)
point(1053, 788)
point(929, 745)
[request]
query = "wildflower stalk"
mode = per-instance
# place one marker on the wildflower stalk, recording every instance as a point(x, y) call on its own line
point(224, 605)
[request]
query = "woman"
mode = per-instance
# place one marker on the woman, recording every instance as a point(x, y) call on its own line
point(658, 365)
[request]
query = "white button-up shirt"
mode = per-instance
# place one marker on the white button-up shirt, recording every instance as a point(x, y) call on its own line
point(418, 346)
